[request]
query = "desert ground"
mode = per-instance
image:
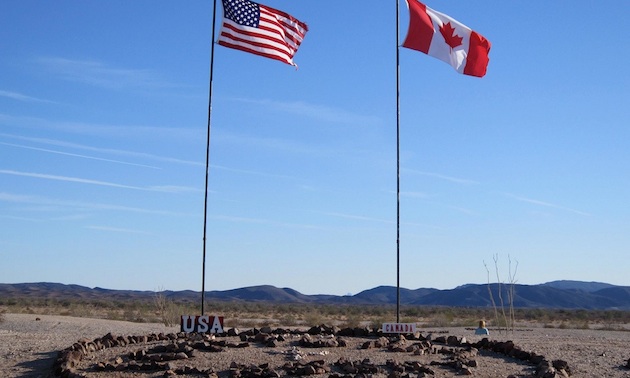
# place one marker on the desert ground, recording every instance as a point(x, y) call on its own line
point(30, 344)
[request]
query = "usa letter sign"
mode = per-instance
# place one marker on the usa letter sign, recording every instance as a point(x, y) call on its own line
point(399, 327)
point(202, 324)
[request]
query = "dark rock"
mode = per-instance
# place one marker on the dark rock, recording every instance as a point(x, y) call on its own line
point(266, 330)
point(465, 371)
point(315, 330)
point(361, 331)
point(262, 337)
point(439, 340)
point(381, 342)
point(536, 358)
point(346, 332)
point(367, 345)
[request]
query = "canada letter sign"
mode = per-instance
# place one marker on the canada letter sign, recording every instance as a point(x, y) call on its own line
point(202, 324)
point(399, 327)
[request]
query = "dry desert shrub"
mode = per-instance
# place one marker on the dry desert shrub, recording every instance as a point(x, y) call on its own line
point(377, 323)
point(314, 318)
point(2, 315)
point(288, 320)
point(166, 309)
point(505, 321)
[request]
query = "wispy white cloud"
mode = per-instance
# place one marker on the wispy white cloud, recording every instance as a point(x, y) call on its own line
point(428, 199)
point(57, 204)
point(312, 188)
point(240, 219)
point(22, 219)
point(175, 189)
point(123, 153)
point(79, 180)
point(545, 204)
point(22, 97)
point(276, 144)
point(355, 217)
point(101, 150)
point(71, 217)
point(103, 130)
point(456, 180)
point(101, 74)
point(462, 210)
point(117, 230)
point(16, 198)
point(248, 172)
point(413, 194)
point(260, 221)
point(375, 220)
point(314, 111)
point(77, 155)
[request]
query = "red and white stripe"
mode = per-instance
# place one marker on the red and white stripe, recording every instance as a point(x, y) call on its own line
point(278, 35)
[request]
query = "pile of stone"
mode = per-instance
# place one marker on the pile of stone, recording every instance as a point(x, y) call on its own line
point(458, 352)
point(544, 368)
point(295, 369)
point(392, 368)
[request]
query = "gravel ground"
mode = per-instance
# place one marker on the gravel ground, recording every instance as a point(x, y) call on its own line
point(28, 348)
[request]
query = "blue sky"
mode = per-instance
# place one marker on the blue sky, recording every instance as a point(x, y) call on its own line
point(103, 115)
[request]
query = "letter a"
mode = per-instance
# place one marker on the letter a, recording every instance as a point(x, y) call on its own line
point(216, 325)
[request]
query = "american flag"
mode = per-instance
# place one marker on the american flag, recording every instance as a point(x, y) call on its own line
point(261, 30)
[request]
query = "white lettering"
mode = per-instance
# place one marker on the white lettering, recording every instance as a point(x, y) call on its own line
point(188, 323)
point(203, 324)
point(217, 327)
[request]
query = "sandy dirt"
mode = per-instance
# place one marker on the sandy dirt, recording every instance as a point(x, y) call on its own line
point(28, 348)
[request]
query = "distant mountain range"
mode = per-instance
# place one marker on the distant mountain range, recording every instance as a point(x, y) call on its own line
point(556, 294)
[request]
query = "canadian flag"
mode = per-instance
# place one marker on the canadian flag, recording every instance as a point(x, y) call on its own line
point(444, 38)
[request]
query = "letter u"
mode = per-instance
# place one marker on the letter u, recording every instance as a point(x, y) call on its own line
point(188, 323)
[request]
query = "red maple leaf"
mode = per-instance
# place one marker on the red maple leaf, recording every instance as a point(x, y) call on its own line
point(451, 39)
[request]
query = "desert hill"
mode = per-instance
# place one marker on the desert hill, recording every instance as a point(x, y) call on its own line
point(555, 295)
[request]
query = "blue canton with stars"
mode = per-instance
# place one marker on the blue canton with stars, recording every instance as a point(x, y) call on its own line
point(243, 12)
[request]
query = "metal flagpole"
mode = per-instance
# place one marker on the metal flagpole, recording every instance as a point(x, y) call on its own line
point(397, 164)
point(205, 203)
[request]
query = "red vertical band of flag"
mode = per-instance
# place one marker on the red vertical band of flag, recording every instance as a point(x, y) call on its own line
point(477, 59)
point(444, 38)
point(261, 30)
point(421, 29)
